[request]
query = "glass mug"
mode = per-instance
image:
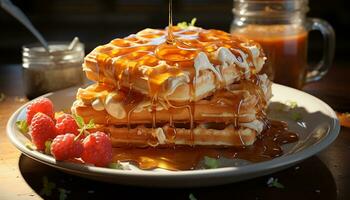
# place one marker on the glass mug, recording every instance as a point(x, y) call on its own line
point(281, 27)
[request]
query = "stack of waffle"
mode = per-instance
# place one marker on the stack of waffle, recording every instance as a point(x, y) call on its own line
point(203, 88)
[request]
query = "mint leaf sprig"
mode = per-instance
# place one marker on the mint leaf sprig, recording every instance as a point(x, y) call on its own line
point(83, 128)
point(185, 25)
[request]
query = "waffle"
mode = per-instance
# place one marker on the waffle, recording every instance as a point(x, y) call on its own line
point(203, 89)
point(204, 59)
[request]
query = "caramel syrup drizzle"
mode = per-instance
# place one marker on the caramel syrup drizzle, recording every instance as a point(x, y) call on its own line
point(267, 147)
point(178, 44)
point(170, 35)
point(124, 57)
point(128, 59)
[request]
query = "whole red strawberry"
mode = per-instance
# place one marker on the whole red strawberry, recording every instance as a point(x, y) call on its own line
point(65, 147)
point(43, 105)
point(97, 149)
point(42, 129)
point(66, 124)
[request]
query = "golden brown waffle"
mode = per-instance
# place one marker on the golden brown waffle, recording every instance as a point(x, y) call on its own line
point(200, 62)
point(201, 89)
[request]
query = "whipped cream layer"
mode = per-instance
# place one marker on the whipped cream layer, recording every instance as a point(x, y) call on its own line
point(112, 102)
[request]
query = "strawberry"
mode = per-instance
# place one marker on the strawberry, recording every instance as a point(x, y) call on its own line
point(42, 129)
point(97, 149)
point(65, 147)
point(43, 105)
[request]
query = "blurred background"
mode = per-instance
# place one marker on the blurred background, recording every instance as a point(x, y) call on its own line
point(99, 21)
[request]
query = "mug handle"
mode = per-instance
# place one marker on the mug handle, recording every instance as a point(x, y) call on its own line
point(319, 70)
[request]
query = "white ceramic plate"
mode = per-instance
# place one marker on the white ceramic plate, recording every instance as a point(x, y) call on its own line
point(318, 128)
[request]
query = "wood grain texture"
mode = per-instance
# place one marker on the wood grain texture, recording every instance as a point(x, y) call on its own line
point(13, 186)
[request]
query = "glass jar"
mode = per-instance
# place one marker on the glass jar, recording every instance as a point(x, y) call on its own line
point(281, 27)
point(46, 72)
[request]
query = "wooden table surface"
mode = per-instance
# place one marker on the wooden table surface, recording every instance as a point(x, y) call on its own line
point(325, 176)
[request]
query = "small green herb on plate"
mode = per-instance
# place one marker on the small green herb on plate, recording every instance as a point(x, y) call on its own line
point(211, 163)
point(115, 165)
point(296, 116)
point(48, 147)
point(22, 126)
point(273, 182)
point(63, 193)
point(191, 197)
point(291, 104)
point(47, 187)
point(30, 146)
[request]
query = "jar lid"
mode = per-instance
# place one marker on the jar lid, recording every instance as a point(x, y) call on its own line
point(56, 48)
point(269, 8)
point(59, 52)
